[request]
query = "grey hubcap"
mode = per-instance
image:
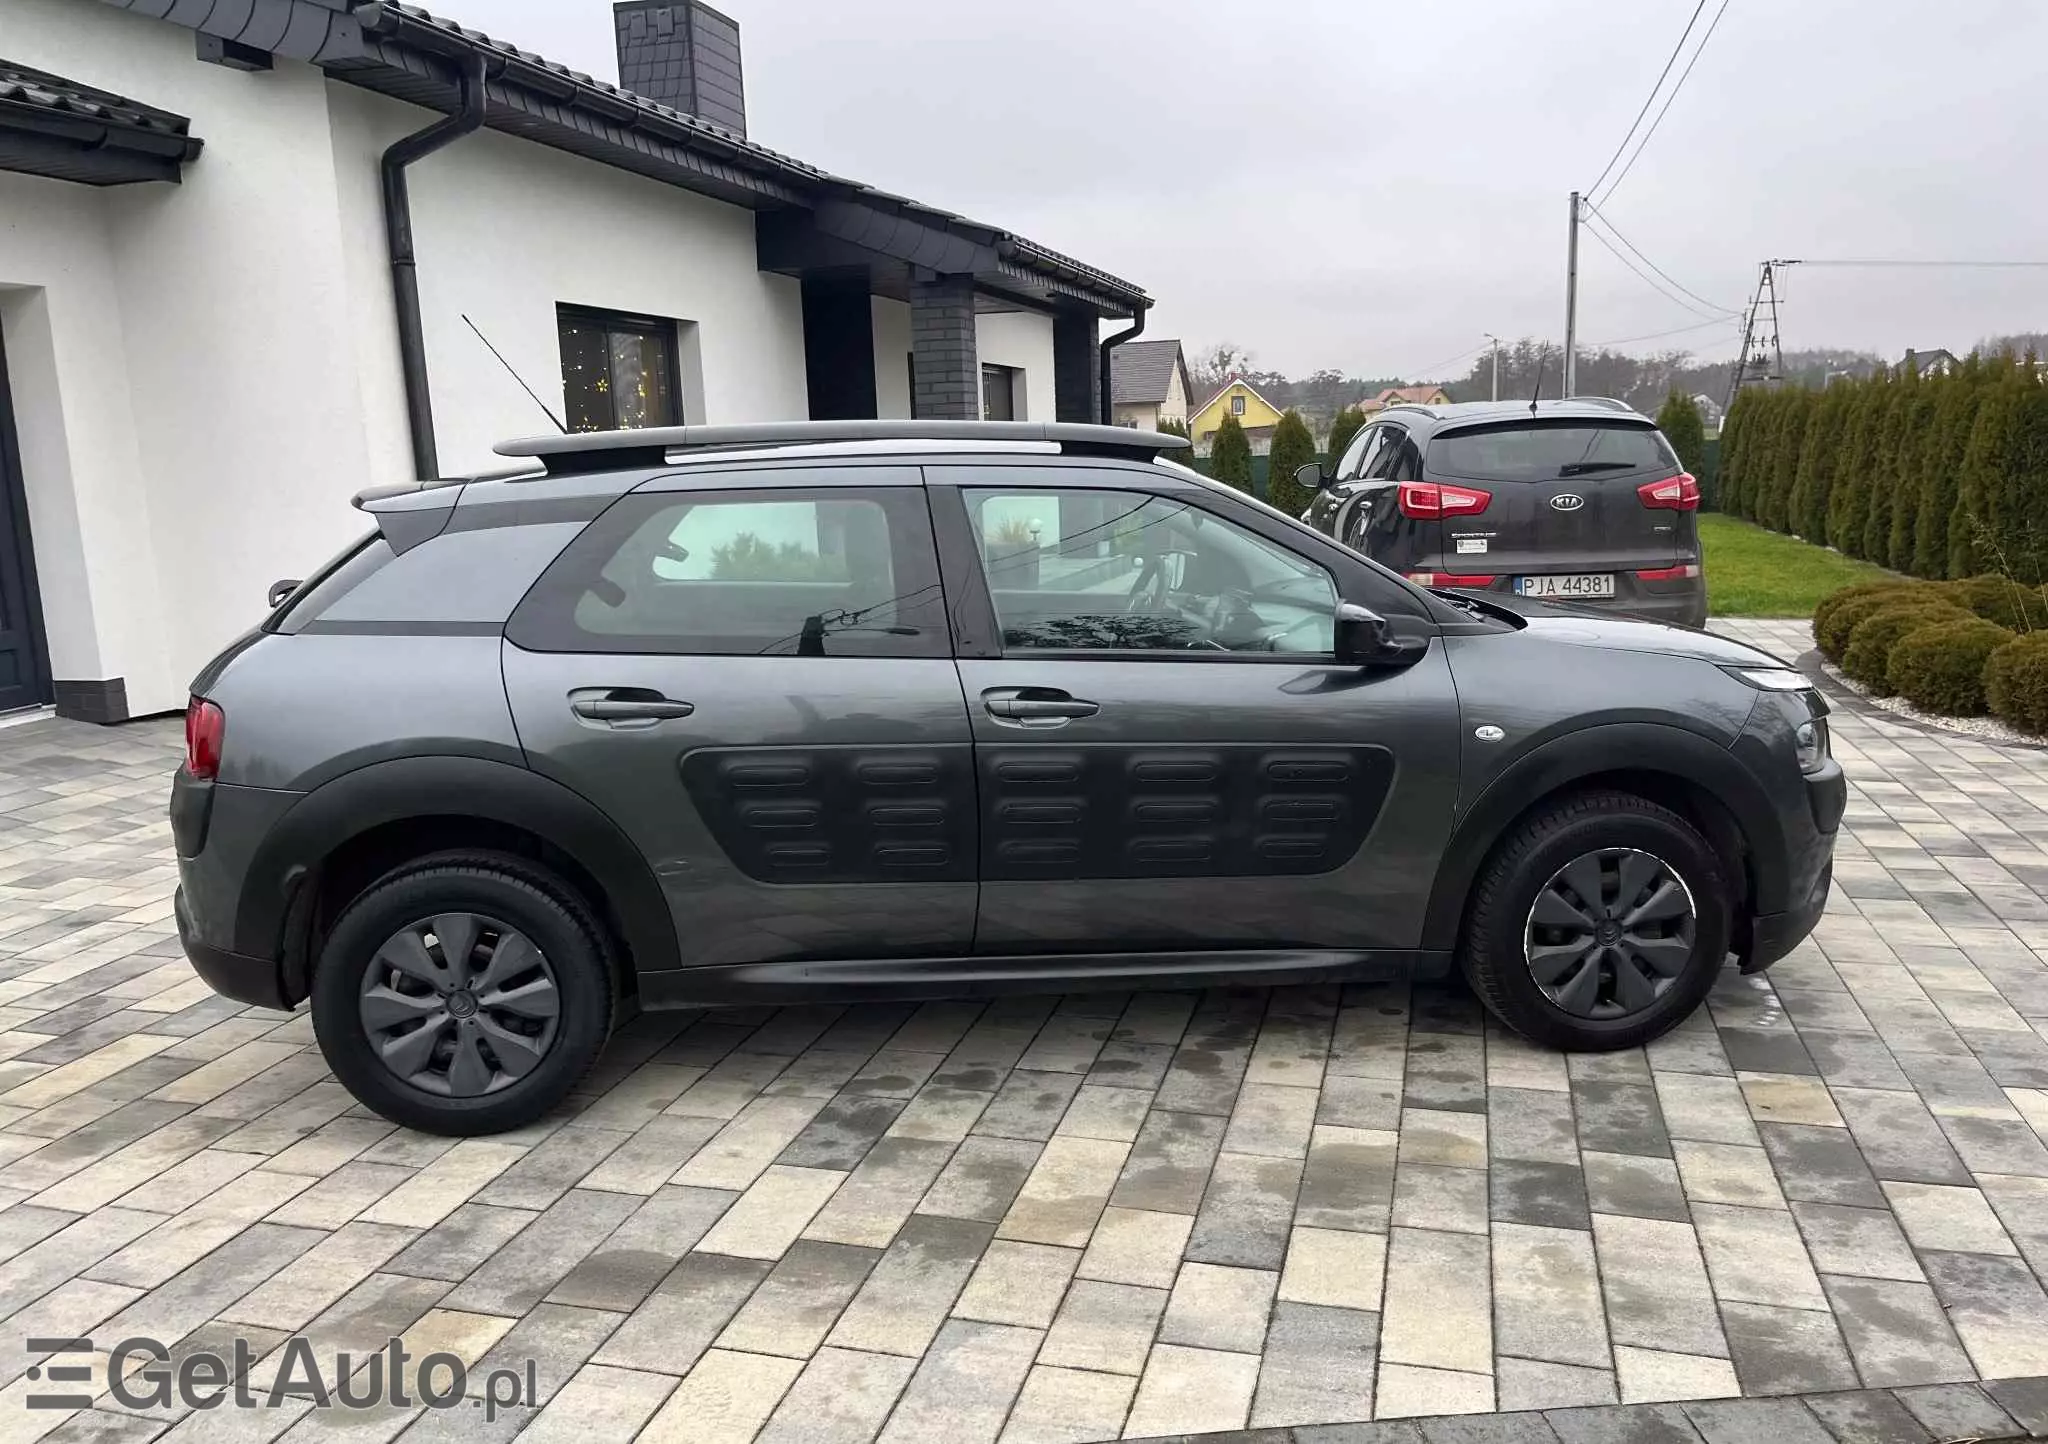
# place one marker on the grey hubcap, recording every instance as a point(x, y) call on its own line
point(460, 1005)
point(1609, 932)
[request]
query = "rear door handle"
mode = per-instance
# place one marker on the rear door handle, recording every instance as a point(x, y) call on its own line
point(1040, 706)
point(626, 704)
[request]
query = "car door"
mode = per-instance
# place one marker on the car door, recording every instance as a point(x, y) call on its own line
point(1325, 513)
point(1169, 757)
point(749, 671)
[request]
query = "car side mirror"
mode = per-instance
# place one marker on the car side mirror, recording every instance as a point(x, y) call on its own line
point(1364, 639)
point(1309, 476)
point(280, 590)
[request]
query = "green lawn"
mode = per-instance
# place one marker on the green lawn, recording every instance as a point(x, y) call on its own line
point(1756, 573)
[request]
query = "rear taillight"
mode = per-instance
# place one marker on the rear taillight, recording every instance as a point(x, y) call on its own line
point(1676, 493)
point(1429, 500)
point(1450, 579)
point(1685, 573)
point(204, 725)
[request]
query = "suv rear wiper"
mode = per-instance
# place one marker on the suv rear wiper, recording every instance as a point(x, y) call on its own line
point(1580, 468)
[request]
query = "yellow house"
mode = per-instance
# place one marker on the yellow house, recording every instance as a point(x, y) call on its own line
point(1254, 413)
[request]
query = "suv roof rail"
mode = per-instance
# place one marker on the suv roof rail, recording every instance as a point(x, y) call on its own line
point(1609, 402)
point(650, 446)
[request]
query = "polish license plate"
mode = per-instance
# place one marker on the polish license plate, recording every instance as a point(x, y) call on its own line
point(1582, 584)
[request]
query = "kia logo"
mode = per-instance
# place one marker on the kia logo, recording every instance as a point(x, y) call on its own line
point(1567, 501)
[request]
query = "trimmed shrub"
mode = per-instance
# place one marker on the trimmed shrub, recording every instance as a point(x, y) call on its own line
point(1294, 446)
point(1832, 624)
point(1230, 454)
point(2016, 682)
point(2013, 606)
point(1868, 656)
point(1941, 667)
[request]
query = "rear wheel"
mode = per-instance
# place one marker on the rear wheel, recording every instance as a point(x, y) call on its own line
point(1598, 923)
point(463, 995)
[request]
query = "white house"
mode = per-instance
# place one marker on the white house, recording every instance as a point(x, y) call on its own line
point(252, 253)
point(1148, 384)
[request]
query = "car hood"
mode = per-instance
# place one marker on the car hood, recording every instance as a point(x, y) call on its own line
point(1582, 626)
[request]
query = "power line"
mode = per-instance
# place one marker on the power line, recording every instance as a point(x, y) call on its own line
point(1729, 321)
point(1643, 144)
point(1438, 365)
point(1646, 278)
point(1650, 98)
point(1967, 265)
point(1638, 253)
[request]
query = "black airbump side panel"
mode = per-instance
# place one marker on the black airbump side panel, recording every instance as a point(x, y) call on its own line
point(839, 814)
point(1057, 812)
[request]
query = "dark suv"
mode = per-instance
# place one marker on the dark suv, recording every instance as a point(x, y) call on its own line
point(758, 714)
point(1578, 501)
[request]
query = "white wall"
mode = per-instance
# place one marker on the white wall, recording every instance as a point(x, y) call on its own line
point(892, 358)
point(205, 373)
point(505, 230)
point(1022, 339)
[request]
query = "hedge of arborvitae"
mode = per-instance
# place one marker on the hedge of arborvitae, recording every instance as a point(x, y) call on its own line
point(1938, 477)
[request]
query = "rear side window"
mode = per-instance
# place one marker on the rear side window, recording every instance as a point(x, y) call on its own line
point(328, 586)
point(835, 571)
point(1545, 452)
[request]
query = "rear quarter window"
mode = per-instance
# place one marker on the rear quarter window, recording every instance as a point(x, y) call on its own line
point(459, 578)
point(1545, 451)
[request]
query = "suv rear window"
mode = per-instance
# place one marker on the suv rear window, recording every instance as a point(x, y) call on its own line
point(1539, 452)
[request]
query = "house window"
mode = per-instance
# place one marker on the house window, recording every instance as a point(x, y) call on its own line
point(618, 371)
point(1237, 406)
point(999, 393)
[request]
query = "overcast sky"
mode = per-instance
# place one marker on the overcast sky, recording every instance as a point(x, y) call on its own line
point(1372, 186)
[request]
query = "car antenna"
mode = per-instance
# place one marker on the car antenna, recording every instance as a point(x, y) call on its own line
point(1542, 356)
point(516, 377)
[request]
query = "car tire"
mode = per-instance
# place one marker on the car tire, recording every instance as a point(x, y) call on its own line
point(1619, 977)
point(498, 1058)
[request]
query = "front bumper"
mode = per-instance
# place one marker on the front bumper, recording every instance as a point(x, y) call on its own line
point(1773, 935)
point(258, 981)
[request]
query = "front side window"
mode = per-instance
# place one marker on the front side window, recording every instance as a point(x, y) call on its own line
point(771, 572)
point(618, 371)
point(1360, 453)
point(1082, 570)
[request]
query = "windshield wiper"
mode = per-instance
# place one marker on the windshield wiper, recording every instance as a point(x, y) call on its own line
point(1580, 468)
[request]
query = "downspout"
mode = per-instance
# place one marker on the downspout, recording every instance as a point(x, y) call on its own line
point(1110, 344)
point(405, 280)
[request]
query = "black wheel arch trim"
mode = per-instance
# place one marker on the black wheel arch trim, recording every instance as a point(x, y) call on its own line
point(1670, 750)
point(273, 914)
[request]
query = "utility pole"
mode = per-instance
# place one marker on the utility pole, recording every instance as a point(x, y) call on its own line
point(1496, 362)
point(1760, 330)
point(1571, 304)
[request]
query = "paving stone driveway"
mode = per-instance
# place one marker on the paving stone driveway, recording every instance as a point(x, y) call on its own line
point(1058, 1218)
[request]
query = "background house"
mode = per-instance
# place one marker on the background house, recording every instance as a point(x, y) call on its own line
point(1411, 395)
point(1934, 362)
point(1254, 413)
point(1148, 384)
point(204, 353)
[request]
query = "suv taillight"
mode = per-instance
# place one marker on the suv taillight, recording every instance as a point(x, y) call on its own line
point(1676, 493)
point(204, 725)
point(1429, 500)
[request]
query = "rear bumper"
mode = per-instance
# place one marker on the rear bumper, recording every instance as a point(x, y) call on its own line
point(258, 981)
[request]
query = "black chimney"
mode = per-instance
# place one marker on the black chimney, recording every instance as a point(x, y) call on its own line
point(683, 54)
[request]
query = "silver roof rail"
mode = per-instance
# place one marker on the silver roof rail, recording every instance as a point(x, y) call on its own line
point(650, 446)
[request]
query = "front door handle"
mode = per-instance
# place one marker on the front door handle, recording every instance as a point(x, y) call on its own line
point(618, 705)
point(1035, 706)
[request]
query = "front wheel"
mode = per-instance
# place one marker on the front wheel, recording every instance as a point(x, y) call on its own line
point(1598, 923)
point(463, 995)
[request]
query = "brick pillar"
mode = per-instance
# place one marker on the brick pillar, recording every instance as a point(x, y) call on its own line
point(945, 366)
point(1076, 366)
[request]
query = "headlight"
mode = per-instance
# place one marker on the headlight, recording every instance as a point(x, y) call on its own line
point(1810, 741)
point(1773, 679)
